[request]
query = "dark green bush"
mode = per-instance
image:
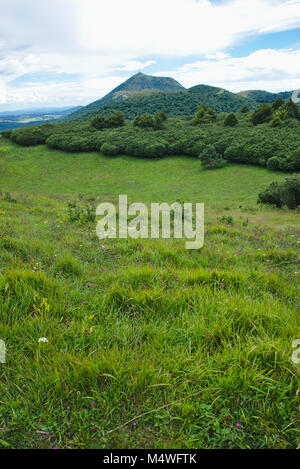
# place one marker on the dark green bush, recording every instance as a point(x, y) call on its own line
point(204, 115)
point(145, 121)
point(276, 122)
point(115, 120)
point(244, 110)
point(210, 158)
point(286, 193)
point(278, 103)
point(274, 163)
point(290, 194)
point(99, 122)
point(6, 133)
point(230, 120)
point(29, 136)
point(237, 153)
point(109, 150)
point(272, 195)
point(262, 114)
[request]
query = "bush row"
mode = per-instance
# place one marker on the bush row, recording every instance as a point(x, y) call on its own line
point(276, 149)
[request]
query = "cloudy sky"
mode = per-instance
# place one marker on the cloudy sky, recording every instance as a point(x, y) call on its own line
point(71, 52)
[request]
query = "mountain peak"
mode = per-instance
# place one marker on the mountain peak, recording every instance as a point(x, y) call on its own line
point(138, 83)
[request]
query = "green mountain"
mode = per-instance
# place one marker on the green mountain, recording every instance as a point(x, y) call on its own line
point(260, 96)
point(182, 103)
point(137, 84)
point(144, 93)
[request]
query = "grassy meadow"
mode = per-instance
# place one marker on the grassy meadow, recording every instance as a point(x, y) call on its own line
point(149, 345)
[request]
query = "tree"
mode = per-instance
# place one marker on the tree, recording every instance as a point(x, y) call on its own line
point(144, 121)
point(99, 122)
point(244, 109)
point(161, 115)
point(262, 114)
point(231, 120)
point(210, 158)
point(290, 194)
point(116, 119)
point(276, 122)
point(292, 109)
point(277, 103)
point(159, 119)
point(204, 115)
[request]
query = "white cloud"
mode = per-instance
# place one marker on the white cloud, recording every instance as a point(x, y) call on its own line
point(274, 70)
point(179, 27)
point(100, 40)
point(134, 65)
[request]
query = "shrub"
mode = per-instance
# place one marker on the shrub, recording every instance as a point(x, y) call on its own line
point(159, 119)
point(274, 163)
point(222, 144)
point(293, 109)
point(145, 121)
point(278, 103)
point(115, 120)
point(244, 109)
point(237, 153)
point(204, 115)
point(6, 133)
point(290, 193)
point(271, 196)
point(161, 115)
point(29, 136)
point(228, 219)
point(146, 147)
point(99, 122)
point(286, 193)
point(156, 150)
point(291, 162)
point(230, 120)
point(276, 122)
point(210, 158)
point(262, 114)
point(109, 150)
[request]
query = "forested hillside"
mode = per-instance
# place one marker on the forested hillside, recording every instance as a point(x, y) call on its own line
point(139, 83)
point(261, 96)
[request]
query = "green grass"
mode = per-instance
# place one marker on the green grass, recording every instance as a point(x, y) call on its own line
point(49, 172)
point(194, 341)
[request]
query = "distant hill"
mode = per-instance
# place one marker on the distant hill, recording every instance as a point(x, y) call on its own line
point(22, 118)
point(260, 96)
point(40, 111)
point(139, 83)
point(182, 103)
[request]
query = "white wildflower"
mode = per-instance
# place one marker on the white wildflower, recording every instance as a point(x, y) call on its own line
point(43, 339)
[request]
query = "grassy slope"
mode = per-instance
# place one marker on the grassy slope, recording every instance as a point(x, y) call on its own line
point(51, 172)
point(219, 323)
